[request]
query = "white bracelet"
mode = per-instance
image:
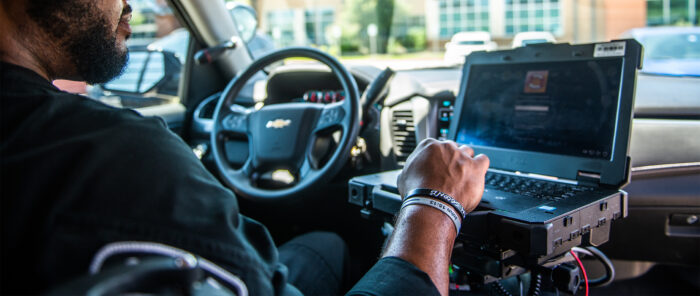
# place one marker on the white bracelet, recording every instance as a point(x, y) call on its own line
point(443, 207)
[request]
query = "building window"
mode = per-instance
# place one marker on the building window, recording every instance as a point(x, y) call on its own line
point(533, 15)
point(317, 22)
point(460, 16)
point(402, 26)
point(281, 27)
point(673, 12)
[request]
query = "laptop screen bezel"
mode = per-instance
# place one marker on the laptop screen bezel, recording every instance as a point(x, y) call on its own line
point(613, 171)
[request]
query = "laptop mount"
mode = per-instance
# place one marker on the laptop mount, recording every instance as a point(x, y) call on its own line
point(494, 245)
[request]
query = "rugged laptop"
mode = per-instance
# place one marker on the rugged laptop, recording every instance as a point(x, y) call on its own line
point(555, 120)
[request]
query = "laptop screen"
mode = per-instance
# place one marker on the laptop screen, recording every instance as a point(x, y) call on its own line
point(566, 108)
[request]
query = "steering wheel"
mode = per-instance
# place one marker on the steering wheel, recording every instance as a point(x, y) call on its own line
point(281, 136)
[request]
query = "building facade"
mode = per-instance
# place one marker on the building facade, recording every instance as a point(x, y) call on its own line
point(318, 23)
point(568, 20)
point(299, 22)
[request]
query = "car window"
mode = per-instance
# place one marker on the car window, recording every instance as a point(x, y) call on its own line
point(441, 33)
point(157, 55)
point(139, 79)
point(679, 46)
point(472, 42)
point(533, 41)
point(158, 50)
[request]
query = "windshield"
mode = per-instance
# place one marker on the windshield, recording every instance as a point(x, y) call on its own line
point(421, 34)
point(420, 30)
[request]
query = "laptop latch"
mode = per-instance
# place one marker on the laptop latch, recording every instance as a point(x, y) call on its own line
point(588, 178)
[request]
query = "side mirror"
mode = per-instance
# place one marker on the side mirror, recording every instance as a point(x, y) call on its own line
point(245, 19)
point(146, 71)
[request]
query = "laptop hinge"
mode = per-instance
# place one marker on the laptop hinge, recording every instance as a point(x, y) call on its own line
point(588, 178)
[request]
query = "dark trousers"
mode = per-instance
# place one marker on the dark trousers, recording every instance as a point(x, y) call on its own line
point(317, 263)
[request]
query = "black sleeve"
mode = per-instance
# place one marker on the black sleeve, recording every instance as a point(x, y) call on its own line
point(117, 176)
point(394, 276)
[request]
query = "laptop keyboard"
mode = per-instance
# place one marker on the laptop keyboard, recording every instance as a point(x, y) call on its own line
point(545, 190)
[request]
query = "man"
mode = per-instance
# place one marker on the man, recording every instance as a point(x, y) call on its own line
point(77, 174)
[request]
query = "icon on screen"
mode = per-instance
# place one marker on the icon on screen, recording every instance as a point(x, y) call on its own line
point(536, 82)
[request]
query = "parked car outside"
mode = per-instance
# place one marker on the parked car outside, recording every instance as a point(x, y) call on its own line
point(464, 43)
point(673, 51)
point(525, 38)
point(669, 82)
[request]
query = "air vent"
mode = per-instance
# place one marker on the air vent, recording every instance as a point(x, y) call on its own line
point(403, 131)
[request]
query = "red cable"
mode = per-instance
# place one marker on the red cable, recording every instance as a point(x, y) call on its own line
point(585, 277)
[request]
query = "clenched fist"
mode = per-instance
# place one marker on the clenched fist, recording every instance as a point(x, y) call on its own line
point(447, 167)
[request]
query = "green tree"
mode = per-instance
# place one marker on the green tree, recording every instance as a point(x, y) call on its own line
point(385, 17)
point(359, 14)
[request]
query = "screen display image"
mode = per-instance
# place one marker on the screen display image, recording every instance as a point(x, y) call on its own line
point(566, 108)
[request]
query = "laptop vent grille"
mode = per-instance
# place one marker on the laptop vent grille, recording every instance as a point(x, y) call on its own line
point(403, 131)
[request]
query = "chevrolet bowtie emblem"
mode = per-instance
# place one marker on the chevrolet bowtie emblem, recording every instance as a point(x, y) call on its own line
point(278, 123)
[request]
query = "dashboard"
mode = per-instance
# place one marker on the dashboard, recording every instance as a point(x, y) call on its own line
point(420, 104)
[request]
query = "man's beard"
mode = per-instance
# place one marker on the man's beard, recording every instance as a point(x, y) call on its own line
point(82, 30)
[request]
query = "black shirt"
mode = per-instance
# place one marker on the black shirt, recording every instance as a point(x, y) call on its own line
point(77, 174)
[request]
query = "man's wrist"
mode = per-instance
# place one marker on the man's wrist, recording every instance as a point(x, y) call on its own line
point(441, 206)
point(422, 233)
point(429, 220)
point(424, 236)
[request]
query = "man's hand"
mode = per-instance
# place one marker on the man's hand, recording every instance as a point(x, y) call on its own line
point(423, 235)
point(444, 166)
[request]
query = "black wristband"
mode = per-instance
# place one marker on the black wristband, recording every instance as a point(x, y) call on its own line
point(440, 196)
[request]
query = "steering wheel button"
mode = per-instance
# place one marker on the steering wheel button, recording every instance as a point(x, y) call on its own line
point(233, 121)
point(329, 117)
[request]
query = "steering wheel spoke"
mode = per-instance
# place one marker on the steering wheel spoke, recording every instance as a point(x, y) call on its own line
point(332, 115)
point(243, 174)
point(307, 167)
point(235, 120)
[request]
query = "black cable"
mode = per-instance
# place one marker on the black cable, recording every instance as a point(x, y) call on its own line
point(500, 289)
point(535, 284)
point(609, 269)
